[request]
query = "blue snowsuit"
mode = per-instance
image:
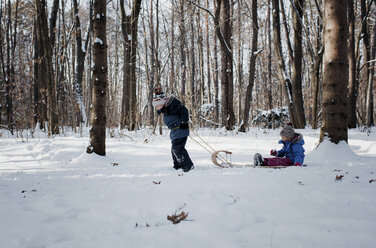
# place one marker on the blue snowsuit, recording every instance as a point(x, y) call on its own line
point(293, 149)
point(175, 116)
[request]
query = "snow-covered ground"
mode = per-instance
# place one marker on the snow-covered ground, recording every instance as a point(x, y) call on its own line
point(53, 194)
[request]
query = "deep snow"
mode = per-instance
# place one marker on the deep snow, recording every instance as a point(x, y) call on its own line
point(53, 194)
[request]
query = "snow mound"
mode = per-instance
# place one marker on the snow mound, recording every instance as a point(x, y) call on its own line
point(89, 160)
point(330, 153)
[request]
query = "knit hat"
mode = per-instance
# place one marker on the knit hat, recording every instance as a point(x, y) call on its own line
point(158, 89)
point(159, 97)
point(287, 131)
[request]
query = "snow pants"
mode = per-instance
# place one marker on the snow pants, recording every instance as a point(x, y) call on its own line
point(277, 162)
point(180, 155)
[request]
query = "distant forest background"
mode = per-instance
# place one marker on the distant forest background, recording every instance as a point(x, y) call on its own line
point(234, 64)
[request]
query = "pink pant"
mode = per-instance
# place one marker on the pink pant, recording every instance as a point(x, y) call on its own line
point(277, 162)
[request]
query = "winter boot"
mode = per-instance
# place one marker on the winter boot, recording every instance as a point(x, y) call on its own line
point(177, 167)
point(257, 160)
point(188, 168)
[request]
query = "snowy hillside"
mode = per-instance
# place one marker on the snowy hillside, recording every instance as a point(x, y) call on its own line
point(53, 194)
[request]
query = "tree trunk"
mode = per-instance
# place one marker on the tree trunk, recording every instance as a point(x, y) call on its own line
point(192, 91)
point(283, 77)
point(240, 64)
point(369, 99)
point(133, 55)
point(252, 68)
point(80, 61)
point(150, 80)
point(208, 55)
point(125, 27)
point(53, 19)
point(216, 82)
point(129, 30)
point(366, 54)
point(315, 76)
point(269, 62)
point(2, 63)
point(9, 76)
point(183, 66)
point(172, 49)
point(99, 91)
point(224, 33)
point(48, 75)
point(334, 110)
point(201, 77)
point(297, 95)
point(153, 58)
point(352, 68)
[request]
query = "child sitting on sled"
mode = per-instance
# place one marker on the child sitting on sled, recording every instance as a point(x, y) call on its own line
point(292, 152)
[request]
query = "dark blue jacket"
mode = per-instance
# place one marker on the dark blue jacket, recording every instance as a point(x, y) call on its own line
point(293, 149)
point(174, 114)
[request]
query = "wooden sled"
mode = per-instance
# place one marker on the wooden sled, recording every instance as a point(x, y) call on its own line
point(225, 163)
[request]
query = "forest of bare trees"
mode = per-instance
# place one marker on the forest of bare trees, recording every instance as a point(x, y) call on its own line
point(226, 60)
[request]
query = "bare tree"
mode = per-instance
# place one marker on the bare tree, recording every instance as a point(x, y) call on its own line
point(334, 109)
point(296, 78)
point(80, 58)
point(129, 30)
point(224, 32)
point(369, 95)
point(370, 101)
point(367, 55)
point(284, 79)
point(172, 49)
point(192, 57)
point(182, 39)
point(208, 55)
point(252, 67)
point(2, 66)
point(353, 83)
point(8, 68)
point(48, 79)
point(99, 91)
